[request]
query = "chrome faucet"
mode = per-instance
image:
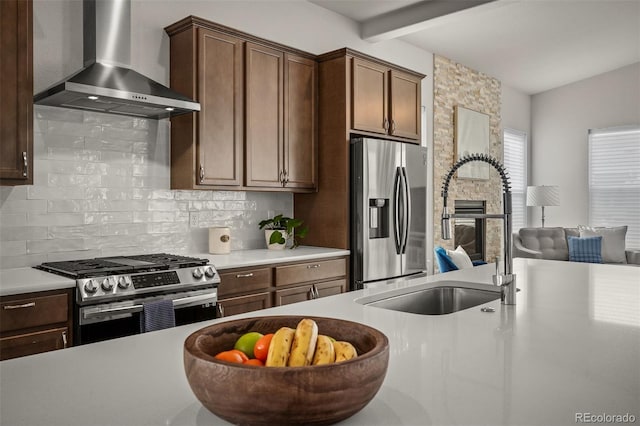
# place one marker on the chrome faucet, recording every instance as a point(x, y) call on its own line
point(507, 280)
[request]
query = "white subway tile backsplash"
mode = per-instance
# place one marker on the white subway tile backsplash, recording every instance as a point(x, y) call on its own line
point(112, 217)
point(38, 192)
point(104, 144)
point(13, 219)
point(26, 206)
point(74, 129)
point(58, 114)
point(54, 245)
point(102, 188)
point(23, 233)
point(54, 219)
point(123, 229)
point(13, 248)
point(71, 232)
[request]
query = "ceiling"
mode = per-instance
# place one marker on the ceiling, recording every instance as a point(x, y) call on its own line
point(529, 45)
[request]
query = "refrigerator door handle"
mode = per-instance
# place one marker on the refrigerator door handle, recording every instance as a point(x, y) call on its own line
point(397, 188)
point(407, 210)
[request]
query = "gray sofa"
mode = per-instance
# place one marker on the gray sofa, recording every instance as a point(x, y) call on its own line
point(551, 244)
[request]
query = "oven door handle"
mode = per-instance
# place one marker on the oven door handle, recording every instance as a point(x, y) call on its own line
point(182, 302)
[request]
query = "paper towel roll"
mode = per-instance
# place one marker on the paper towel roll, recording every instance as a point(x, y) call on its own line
point(219, 240)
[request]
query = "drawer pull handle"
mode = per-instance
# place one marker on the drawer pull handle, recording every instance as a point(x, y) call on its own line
point(64, 339)
point(24, 305)
point(250, 274)
point(220, 310)
point(313, 266)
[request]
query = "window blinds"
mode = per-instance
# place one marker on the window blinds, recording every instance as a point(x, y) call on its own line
point(614, 180)
point(515, 160)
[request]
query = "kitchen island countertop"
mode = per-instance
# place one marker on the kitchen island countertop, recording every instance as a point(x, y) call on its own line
point(569, 350)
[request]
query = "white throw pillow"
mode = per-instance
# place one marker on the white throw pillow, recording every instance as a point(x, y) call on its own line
point(460, 258)
point(613, 245)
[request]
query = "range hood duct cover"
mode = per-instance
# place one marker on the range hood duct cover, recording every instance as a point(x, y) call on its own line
point(107, 83)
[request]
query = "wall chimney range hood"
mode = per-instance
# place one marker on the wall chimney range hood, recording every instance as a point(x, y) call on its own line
point(107, 83)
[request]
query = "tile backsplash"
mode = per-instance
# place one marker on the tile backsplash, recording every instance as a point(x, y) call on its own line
point(101, 188)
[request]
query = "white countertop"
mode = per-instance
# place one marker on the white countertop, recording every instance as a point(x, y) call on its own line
point(570, 345)
point(244, 258)
point(29, 280)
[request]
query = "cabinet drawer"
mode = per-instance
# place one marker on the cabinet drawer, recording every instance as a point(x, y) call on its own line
point(311, 271)
point(243, 281)
point(33, 343)
point(33, 311)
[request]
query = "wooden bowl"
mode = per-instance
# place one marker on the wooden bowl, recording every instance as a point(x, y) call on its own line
point(313, 395)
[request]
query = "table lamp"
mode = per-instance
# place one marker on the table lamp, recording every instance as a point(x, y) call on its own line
point(543, 196)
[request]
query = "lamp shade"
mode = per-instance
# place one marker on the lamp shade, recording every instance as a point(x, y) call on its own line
point(543, 195)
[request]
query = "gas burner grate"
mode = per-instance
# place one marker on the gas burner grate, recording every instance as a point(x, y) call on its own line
point(87, 268)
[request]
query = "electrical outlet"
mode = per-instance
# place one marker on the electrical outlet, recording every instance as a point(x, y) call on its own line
point(193, 220)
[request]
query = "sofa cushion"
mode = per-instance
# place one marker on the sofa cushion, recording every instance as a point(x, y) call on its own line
point(550, 241)
point(613, 242)
point(460, 258)
point(585, 249)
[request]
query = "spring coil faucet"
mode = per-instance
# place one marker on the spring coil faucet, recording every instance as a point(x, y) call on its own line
point(506, 281)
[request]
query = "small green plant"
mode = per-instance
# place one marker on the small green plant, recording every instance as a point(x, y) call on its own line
point(281, 223)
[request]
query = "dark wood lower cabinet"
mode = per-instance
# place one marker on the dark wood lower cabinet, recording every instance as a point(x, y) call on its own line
point(35, 322)
point(250, 289)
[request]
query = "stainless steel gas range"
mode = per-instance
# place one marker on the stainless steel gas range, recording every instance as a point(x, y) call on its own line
point(111, 292)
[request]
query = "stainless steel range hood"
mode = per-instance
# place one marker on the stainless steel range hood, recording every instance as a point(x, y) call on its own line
point(107, 83)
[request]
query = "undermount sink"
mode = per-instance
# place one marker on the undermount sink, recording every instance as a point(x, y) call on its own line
point(443, 299)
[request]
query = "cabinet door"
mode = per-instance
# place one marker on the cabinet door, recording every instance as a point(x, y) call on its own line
point(16, 86)
point(330, 288)
point(369, 97)
point(300, 152)
point(241, 304)
point(293, 295)
point(264, 138)
point(220, 93)
point(405, 95)
point(33, 343)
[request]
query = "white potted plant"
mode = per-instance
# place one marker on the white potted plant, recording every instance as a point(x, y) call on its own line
point(280, 229)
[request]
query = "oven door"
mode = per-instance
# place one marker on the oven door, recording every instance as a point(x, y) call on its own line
point(105, 321)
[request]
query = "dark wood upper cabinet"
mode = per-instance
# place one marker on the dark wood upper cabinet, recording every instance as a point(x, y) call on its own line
point(257, 126)
point(16, 89)
point(206, 146)
point(405, 105)
point(370, 104)
point(385, 100)
point(300, 122)
point(264, 141)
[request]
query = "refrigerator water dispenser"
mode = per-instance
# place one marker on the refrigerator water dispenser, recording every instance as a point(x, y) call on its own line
point(378, 218)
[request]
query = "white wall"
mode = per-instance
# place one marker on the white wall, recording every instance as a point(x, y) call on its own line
point(560, 120)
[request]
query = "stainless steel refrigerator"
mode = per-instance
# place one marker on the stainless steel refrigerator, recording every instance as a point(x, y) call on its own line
point(388, 210)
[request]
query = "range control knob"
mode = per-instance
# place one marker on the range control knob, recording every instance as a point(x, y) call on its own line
point(197, 273)
point(209, 272)
point(90, 286)
point(107, 285)
point(123, 283)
